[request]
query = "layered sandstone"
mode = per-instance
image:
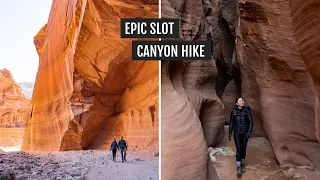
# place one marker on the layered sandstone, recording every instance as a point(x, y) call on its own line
point(192, 112)
point(255, 55)
point(306, 22)
point(274, 72)
point(87, 83)
point(14, 106)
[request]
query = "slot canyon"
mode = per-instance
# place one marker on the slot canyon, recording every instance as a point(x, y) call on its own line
point(263, 51)
point(87, 91)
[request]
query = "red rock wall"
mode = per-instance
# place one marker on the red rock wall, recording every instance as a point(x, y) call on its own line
point(192, 112)
point(273, 71)
point(93, 75)
point(254, 43)
point(14, 106)
point(306, 22)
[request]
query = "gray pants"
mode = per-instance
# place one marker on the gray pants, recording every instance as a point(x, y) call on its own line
point(123, 154)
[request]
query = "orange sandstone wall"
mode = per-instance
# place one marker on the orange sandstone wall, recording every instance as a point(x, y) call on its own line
point(14, 106)
point(86, 78)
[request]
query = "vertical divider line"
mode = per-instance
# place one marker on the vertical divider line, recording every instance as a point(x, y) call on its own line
point(159, 133)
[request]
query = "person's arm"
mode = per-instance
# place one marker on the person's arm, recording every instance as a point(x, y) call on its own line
point(125, 143)
point(231, 124)
point(250, 122)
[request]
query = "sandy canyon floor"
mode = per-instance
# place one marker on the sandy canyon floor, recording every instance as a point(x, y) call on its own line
point(260, 160)
point(80, 165)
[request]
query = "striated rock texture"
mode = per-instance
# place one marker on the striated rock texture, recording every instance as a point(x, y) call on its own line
point(192, 112)
point(255, 55)
point(182, 129)
point(87, 82)
point(274, 72)
point(14, 106)
point(306, 22)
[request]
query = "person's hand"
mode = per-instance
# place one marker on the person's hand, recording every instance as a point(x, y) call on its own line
point(229, 137)
point(248, 135)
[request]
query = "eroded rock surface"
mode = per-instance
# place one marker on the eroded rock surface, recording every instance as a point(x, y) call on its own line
point(306, 22)
point(14, 106)
point(192, 112)
point(86, 79)
point(274, 73)
point(255, 55)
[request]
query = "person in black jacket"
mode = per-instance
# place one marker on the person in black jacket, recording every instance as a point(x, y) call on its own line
point(242, 123)
point(123, 148)
point(114, 147)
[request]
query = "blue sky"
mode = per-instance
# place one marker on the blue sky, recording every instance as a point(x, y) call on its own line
point(20, 21)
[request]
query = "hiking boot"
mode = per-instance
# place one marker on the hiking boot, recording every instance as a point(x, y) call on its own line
point(238, 168)
point(243, 167)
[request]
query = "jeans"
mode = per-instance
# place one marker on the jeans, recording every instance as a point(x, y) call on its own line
point(114, 153)
point(241, 144)
point(123, 154)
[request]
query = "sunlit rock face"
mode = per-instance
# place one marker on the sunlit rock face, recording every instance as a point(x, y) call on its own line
point(14, 112)
point(14, 106)
point(88, 90)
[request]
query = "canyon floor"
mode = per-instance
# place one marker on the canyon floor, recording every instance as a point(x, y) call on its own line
point(260, 160)
point(80, 165)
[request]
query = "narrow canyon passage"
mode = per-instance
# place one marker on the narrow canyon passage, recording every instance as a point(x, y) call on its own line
point(259, 52)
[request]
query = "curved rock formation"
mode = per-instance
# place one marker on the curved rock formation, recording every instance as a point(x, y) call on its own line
point(180, 117)
point(306, 21)
point(254, 44)
point(273, 71)
point(87, 82)
point(192, 112)
point(14, 106)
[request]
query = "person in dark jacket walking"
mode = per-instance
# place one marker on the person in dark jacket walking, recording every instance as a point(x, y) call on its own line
point(123, 148)
point(114, 147)
point(241, 123)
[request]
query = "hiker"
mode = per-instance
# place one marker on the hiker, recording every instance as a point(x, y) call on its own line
point(242, 123)
point(114, 147)
point(123, 148)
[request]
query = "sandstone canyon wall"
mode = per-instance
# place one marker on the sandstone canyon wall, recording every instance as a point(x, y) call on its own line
point(306, 22)
point(88, 89)
point(14, 106)
point(192, 112)
point(255, 55)
point(274, 73)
